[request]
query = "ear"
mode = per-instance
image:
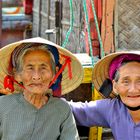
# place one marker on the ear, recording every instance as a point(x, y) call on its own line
point(56, 71)
point(115, 86)
point(17, 76)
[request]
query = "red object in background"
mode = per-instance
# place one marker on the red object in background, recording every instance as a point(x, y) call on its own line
point(93, 30)
point(28, 6)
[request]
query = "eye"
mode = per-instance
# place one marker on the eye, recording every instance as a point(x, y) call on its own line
point(29, 68)
point(125, 82)
point(43, 68)
point(138, 81)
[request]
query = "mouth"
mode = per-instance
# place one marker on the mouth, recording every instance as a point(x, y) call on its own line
point(135, 96)
point(35, 85)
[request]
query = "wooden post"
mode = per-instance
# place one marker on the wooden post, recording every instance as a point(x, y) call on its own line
point(58, 14)
point(48, 20)
point(39, 20)
point(95, 132)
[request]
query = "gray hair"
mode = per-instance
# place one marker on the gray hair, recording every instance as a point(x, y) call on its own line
point(117, 74)
point(19, 61)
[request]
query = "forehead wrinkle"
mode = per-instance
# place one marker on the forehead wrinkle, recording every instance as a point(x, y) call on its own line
point(41, 64)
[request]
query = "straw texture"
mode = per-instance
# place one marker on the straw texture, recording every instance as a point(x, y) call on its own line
point(67, 84)
point(101, 69)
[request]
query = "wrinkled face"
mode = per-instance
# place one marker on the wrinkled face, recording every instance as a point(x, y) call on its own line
point(37, 72)
point(128, 84)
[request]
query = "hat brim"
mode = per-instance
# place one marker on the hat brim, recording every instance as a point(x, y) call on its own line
point(67, 84)
point(101, 70)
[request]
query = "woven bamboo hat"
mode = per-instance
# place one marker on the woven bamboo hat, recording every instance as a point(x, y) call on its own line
point(75, 68)
point(102, 74)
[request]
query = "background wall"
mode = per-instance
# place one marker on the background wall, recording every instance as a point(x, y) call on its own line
point(128, 24)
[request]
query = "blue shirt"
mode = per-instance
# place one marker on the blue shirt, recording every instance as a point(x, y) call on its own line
point(107, 113)
point(19, 120)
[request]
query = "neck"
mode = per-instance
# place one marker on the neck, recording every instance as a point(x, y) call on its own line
point(36, 100)
point(135, 115)
point(134, 112)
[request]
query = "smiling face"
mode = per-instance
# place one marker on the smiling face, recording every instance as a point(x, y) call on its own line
point(128, 84)
point(36, 73)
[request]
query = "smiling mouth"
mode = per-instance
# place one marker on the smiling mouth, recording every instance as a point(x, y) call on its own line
point(134, 96)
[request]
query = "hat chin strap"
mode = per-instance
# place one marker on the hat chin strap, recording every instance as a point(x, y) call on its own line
point(67, 63)
point(9, 80)
point(9, 83)
point(129, 107)
point(132, 108)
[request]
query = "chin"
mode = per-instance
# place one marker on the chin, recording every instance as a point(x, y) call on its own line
point(34, 91)
point(37, 93)
point(131, 101)
point(132, 104)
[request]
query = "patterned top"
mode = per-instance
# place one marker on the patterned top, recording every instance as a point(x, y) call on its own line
point(107, 113)
point(22, 121)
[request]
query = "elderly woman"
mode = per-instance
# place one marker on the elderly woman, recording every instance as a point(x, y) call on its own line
point(37, 72)
point(116, 77)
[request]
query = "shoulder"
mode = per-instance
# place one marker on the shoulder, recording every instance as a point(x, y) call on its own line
point(114, 106)
point(9, 97)
point(8, 100)
point(60, 104)
point(59, 107)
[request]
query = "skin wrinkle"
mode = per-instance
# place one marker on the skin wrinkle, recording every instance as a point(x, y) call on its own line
point(36, 74)
point(19, 60)
point(128, 87)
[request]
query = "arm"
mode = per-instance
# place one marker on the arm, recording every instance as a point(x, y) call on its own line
point(92, 113)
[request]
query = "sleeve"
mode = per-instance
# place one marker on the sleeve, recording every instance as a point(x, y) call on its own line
point(93, 113)
point(68, 128)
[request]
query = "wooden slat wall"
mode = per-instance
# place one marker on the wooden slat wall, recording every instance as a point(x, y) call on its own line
point(44, 19)
point(36, 17)
point(116, 24)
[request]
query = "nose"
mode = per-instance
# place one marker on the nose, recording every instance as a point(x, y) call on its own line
point(36, 75)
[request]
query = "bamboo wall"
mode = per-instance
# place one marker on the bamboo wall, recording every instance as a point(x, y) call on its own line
point(128, 24)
